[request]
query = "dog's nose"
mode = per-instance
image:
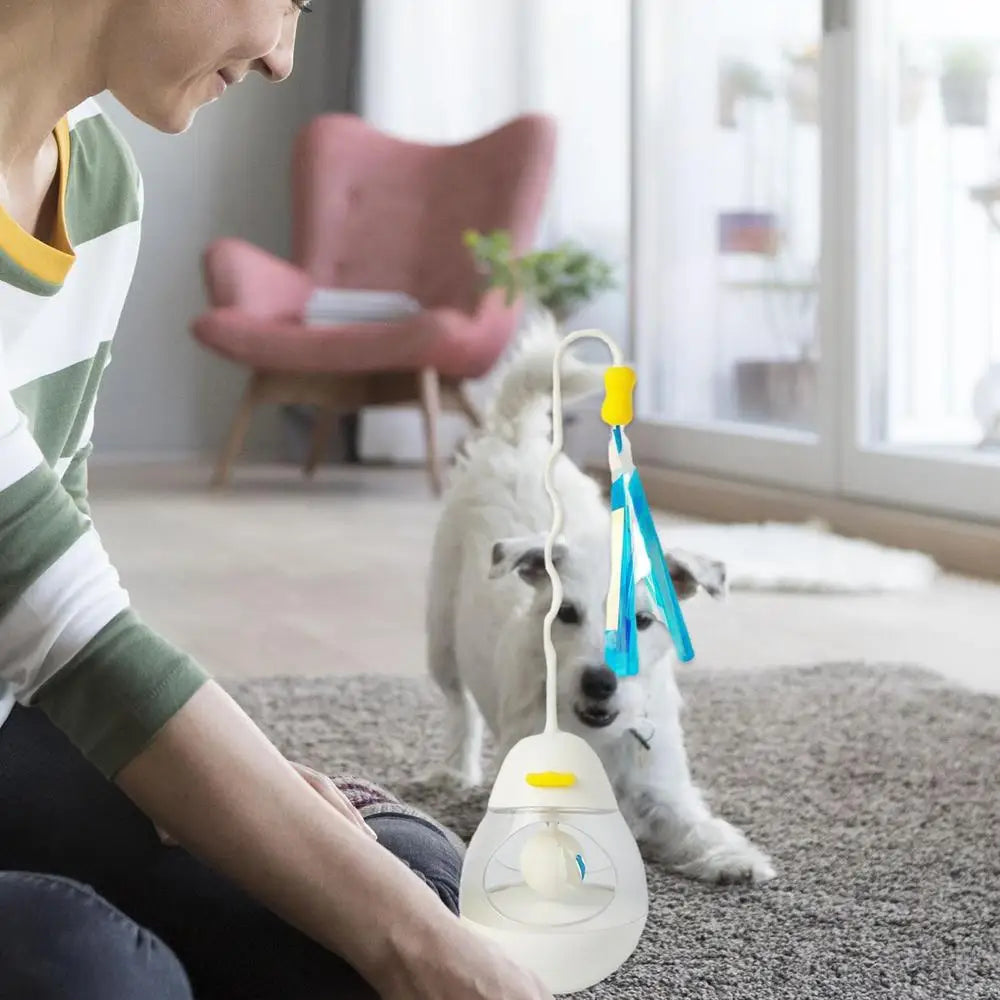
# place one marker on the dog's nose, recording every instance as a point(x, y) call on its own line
point(599, 683)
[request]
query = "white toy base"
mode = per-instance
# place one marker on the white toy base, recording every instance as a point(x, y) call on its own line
point(567, 961)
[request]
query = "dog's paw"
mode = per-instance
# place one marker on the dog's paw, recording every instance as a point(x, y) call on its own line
point(717, 853)
point(731, 866)
point(445, 776)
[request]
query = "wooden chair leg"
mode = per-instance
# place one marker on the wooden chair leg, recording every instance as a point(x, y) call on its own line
point(430, 405)
point(326, 422)
point(237, 431)
point(351, 424)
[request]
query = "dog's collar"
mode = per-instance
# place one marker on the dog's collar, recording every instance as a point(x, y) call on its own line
point(644, 733)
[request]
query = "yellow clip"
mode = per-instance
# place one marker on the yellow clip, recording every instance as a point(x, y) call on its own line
point(619, 381)
point(551, 779)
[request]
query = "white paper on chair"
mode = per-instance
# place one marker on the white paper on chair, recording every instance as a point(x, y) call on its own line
point(329, 306)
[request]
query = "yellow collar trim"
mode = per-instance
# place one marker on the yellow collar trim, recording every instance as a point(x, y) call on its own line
point(49, 263)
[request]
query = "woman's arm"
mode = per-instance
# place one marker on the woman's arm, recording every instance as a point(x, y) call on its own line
point(225, 793)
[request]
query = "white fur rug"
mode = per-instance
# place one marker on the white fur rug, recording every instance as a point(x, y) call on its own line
point(803, 558)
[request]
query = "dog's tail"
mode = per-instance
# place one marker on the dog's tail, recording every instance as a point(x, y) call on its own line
point(522, 405)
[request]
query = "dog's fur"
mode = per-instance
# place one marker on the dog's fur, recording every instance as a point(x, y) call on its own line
point(488, 594)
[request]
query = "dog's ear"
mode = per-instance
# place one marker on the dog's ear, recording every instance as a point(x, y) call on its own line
point(689, 571)
point(526, 556)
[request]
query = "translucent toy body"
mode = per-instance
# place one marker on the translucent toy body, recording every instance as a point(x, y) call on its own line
point(553, 874)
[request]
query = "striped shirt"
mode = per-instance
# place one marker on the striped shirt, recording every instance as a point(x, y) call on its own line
point(69, 641)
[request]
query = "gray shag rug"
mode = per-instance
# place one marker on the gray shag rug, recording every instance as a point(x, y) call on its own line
point(875, 790)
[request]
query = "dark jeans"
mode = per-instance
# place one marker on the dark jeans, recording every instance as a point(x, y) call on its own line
point(94, 907)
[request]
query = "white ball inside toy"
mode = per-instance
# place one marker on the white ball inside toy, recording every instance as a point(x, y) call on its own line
point(551, 863)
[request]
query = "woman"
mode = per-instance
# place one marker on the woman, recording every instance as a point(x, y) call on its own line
point(276, 888)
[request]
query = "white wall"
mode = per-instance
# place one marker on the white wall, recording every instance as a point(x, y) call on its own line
point(164, 396)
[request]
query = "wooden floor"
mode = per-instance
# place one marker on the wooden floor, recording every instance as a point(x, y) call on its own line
point(279, 575)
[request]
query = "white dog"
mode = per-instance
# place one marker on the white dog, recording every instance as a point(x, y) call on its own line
point(488, 594)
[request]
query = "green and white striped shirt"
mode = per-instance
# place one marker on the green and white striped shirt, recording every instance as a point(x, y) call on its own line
point(69, 642)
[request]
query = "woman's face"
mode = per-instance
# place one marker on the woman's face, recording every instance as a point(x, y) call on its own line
point(169, 57)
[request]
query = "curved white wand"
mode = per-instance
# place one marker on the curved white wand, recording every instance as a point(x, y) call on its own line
point(551, 709)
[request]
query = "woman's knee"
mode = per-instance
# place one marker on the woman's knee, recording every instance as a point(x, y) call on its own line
point(58, 938)
point(425, 850)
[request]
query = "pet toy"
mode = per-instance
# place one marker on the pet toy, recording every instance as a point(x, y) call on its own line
point(553, 873)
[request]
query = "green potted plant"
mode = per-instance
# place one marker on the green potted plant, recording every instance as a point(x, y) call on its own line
point(966, 70)
point(740, 80)
point(561, 280)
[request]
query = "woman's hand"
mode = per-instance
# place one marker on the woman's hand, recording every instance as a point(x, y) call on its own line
point(454, 961)
point(327, 790)
point(332, 794)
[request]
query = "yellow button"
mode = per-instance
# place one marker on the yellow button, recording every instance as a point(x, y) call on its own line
point(551, 779)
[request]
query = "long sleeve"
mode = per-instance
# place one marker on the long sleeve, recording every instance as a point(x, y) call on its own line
point(69, 641)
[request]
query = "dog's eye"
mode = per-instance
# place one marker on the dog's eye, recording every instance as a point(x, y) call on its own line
point(643, 620)
point(569, 614)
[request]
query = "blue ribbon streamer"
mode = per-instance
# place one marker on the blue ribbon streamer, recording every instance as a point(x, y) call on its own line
point(621, 647)
point(663, 586)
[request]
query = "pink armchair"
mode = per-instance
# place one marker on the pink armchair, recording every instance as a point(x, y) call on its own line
point(375, 212)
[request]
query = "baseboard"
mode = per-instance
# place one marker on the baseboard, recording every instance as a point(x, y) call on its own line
point(959, 546)
point(115, 459)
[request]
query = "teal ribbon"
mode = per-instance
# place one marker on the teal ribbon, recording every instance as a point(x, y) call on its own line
point(620, 644)
point(659, 580)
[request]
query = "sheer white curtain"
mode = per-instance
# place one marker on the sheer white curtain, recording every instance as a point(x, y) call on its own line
point(447, 70)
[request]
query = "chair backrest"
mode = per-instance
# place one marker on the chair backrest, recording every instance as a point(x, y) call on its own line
point(373, 211)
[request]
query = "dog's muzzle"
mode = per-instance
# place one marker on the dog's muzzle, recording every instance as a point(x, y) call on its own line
point(595, 716)
point(597, 685)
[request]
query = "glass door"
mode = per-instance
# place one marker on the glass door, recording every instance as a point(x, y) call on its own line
point(816, 245)
point(921, 400)
point(732, 262)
